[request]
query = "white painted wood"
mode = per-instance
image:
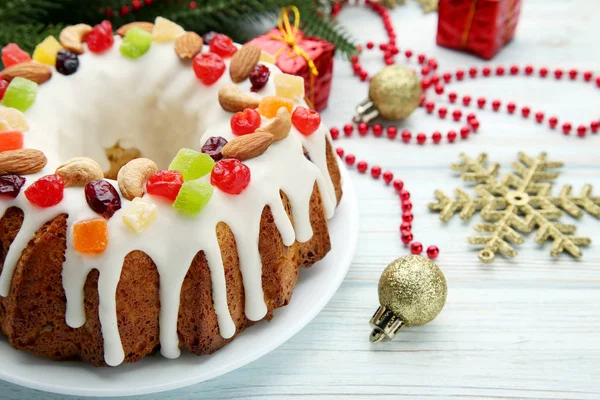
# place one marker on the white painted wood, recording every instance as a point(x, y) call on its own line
point(521, 329)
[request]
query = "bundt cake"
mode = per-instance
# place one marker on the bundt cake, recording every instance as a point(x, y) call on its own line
point(156, 192)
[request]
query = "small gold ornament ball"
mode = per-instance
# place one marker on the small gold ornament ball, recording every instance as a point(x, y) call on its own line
point(395, 91)
point(413, 288)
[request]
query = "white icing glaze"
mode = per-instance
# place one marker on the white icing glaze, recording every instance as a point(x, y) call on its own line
point(142, 102)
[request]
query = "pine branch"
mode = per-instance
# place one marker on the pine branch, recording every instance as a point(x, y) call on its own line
point(332, 31)
point(27, 35)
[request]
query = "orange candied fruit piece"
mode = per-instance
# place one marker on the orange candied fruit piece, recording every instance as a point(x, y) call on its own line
point(270, 104)
point(90, 236)
point(11, 140)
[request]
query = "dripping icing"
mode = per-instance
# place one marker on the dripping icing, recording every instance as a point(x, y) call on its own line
point(283, 168)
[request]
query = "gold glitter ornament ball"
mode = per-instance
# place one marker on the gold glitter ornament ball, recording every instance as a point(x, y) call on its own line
point(395, 91)
point(413, 288)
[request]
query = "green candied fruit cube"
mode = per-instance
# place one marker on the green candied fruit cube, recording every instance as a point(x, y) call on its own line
point(136, 43)
point(193, 196)
point(20, 94)
point(192, 164)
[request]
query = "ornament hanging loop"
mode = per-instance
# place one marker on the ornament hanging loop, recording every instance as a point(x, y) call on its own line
point(385, 324)
point(365, 112)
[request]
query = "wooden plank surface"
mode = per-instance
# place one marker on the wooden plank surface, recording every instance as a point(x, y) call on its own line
point(527, 328)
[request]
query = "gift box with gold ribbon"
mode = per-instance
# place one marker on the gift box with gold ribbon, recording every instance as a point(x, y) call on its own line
point(297, 54)
point(481, 27)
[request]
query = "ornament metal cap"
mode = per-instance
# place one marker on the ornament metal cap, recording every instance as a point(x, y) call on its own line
point(412, 292)
point(394, 93)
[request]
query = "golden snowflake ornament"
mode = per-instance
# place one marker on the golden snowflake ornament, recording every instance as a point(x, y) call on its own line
point(521, 201)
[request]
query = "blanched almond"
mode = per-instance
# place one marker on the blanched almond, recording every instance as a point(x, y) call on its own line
point(248, 146)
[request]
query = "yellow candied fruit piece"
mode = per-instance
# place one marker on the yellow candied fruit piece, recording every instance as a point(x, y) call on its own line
point(46, 51)
point(165, 30)
point(140, 214)
point(290, 86)
point(267, 57)
point(90, 236)
point(12, 119)
point(269, 105)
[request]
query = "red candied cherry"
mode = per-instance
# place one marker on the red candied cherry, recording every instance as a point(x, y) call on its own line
point(3, 85)
point(12, 54)
point(305, 120)
point(165, 183)
point(259, 77)
point(416, 248)
point(47, 191)
point(222, 45)
point(102, 197)
point(208, 67)
point(10, 185)
point(230, 175)
point(433, 251)
point(100, 39)
point(213, 147)
point(245, 122)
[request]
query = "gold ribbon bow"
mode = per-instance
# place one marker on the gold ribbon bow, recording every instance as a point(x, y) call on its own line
point(289, 35)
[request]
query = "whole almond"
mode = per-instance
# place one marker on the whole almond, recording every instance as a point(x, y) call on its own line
point(233, 99)
point(147, 26)
point(133, 176)
point(32, 70)
point(243, 62)
point(248, 146)
point(280, 126)
point(79, 171)
point(188, 45)
point(22, 161)
point(72, 37)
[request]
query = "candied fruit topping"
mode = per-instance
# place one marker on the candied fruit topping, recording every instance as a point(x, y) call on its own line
point(136, 43)
point(67, 63)
point(213, 147)
point(306, 121)
point(208, 67)
point(259, 77)
point(90, 236)
point(100, 39)
point(10, 185)
point(20, 94)
point(267, 57)
point(269, 105)
point(230, 176)
point(102, 197)
point(46, 51)
point(289, 86)
point(165, 30)
point(12, 54)
point(245, 122)
point(222, 45)
point(193, 197)
point(10, 140)
point(47, 191)
point(12, 119)
point(3, 85)
point(192, 164)
point(139, 214)
point(165, 183)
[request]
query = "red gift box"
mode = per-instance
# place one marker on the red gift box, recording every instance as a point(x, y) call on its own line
point(321, 52)
point(481, 27)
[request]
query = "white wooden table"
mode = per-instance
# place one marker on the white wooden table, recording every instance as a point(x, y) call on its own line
point(521, 329)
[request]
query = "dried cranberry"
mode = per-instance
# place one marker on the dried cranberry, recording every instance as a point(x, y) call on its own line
point(165, 183)
point(230, 175)
point(67, 63)
point(259, 77)
point(10, 185)
point(213, 147)
point(102, 197)
point(47, 191)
